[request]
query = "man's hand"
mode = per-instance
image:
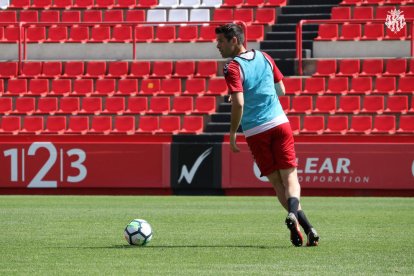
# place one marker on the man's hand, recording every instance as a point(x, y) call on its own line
point(233, 145)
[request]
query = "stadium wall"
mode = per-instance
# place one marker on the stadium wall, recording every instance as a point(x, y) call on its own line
point(200, 164)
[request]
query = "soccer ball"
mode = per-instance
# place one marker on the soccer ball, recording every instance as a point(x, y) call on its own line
point(138, 232)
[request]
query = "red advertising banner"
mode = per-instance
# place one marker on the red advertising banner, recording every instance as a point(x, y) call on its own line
point(84, 165)
point(331, 166)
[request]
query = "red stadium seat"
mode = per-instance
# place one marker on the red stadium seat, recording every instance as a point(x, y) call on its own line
point(100, 33)
point(302, 104)
point(71, 16)
point(56, 124)
point(25, 105)
point(33, 125)
point(6, 105)
point(106, 4)
point(182, 105)
point(101, 124)
point(74, 69)
point(147, 3)
point(36, 34)
point(140, 69)
point(118, 69)
point(150, 86)
point(285, 102)
point(135, 15)
point(327, 32)
point(11, 33)
point(170, 87)
point(137, 105)
point(337, 86)
point(187, 33)
point(31, 69)
point(341, 13)
point(395, 35)
point(62, 4)
point(83, 87)
point(381, 12)
point(69, 105)
point(348, 67)
point(406, 124)
point(122, 34)
point(126, 4)
point(314, 86)
point(361, 85)
point(372, 67)
point(223, 14)
point(49, 16)
point(195, 87)
point(275, 3)
point(165, 34)
point(148, 124)
point(205, 105)
point(232, 3)
point(325, 67)
point(398, 104)
point(294, 123)
point(162, 69)
point(207, 33)
point(206, 68)
point(411, 68)
point(373, 31)
point(91, 105)
point(17, 86)
point(363, 13)
point(79, 34)
point(85, 4)
point(313, 124)
point(115, 105)
point(39, 87)
point(8, 69)
point(325, 104)
point(406, 85)
point(124, 124)
point(47, 105)
point(255, 32)
point(92, 16)
point(57, 34)
point(245, 15)
point(349, 104)
point(395, 67)
point(159, 105)
point(385, 85)
point(144, 33)
point(170, 124)
point(113, 16)
point(10, 124)
point(192, 124)
point(105, 87)
point(184, 68)
point(361, 124)
point(337, 124)
point(373, 104)
point(78, 124)
point(20, 4)
point(265, 16)
point(8, 16)
point(384, 124)
point(29, 16)
point(95, 69)
point(52, 69)
point(293, 85)
point(351, 32)
point(61, 87)
point(127, 87)
point(217, 86)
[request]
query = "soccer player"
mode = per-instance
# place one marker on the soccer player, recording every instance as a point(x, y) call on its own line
point(254, 82)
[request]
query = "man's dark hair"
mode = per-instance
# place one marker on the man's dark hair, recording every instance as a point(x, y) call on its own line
point(231, 30)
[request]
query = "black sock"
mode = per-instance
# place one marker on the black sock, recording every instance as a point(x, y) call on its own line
point(293, 205)
point(303, 221)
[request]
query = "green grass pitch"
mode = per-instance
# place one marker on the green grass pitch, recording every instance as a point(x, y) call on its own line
point(83, 235)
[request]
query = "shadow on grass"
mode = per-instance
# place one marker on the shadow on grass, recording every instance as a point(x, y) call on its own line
point(153, 246)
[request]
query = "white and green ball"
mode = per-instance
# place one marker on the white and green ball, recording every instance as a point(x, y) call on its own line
point(138, 232)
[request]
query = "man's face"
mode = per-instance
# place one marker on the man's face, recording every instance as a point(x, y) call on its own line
point(226, 48)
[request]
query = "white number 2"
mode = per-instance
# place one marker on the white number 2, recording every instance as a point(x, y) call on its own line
point(37, 181)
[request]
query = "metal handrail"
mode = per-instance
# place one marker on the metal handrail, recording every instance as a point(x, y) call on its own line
point(300, 24)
